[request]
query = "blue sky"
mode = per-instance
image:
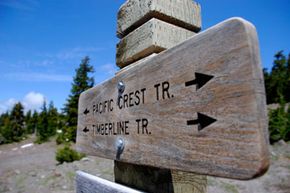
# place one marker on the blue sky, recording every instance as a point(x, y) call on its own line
point(43, 41)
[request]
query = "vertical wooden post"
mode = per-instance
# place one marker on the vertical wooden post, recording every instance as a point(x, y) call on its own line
point(152, 179)
point(188, 182)
point(147, 27)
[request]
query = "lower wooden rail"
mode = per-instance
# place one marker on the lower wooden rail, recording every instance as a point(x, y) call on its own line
point(86, 183)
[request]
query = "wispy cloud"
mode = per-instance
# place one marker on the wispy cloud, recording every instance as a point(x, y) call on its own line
point(73, 53)
point(38, 77)
point(43, 63)
point(109, 69)
point(29, 64)
point(45, 67)
point(24, 5)
point(31, 101)
point(7, 105)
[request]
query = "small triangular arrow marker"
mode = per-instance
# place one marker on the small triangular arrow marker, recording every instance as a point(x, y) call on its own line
point(202, 121)
point(86, 112)
point(86, 130)
point(200, 80)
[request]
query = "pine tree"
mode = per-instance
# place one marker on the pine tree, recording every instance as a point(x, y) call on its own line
point(17, 122)
point(5, 131)
point(31, 122)
point(287, 94)
point(277, 81)
point(27, 119)
point(2, 119)
point(81, 82)
point(267, 80)
point(279, 123)
point(287, 132)
point(42, 125)
point(52, 119)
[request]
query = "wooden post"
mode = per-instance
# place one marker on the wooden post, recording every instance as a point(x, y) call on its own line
point(147, 27)
point(152, 179)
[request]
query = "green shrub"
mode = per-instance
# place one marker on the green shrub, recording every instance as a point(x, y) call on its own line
point(66, 154)
point(67, 135)
point(60, 139)
point(279, 124)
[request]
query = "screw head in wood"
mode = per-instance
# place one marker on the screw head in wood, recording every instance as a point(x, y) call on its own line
point(121, 87)
point(120, 145)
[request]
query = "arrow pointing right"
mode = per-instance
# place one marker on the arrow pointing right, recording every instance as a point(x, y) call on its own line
point(200, 80)
point(202, 121)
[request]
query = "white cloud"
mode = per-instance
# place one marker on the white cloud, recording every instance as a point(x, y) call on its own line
point(109, 68)
point(38, 77)
point(31, 101)
point(74, 53)
point(7, 105)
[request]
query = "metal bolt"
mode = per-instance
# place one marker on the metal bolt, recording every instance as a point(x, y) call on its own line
point(121, 89)
point(120, 144)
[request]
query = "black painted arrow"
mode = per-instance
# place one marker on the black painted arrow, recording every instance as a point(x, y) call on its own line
point(86, 130)
point(86, 112)
point(200, 80)
point(202, 121)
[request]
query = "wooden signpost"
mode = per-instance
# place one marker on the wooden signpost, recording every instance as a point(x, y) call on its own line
point(197, 107)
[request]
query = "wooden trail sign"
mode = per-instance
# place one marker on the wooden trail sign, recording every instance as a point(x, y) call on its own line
point(198, 107)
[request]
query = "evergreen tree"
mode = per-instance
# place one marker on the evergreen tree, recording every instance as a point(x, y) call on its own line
point(17, 122)
point(267, 80)
point(277, 81)
point(5, 131)
point(27, 119)
point(2, 119)
point(42, 125)
point(31, 122)
point(279, 124)
point(287, 94)
point(52, 119)
point(81, 82)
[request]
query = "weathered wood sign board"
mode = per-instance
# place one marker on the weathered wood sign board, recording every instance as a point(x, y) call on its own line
point(197, 107)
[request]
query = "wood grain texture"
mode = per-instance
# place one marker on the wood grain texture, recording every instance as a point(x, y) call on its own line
point(145, 178)
point(136, 63)
point(152, 37)
point(235, 146)
point(182, 13)
point(151, 179)
point(86, 183)
point(188, 182)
